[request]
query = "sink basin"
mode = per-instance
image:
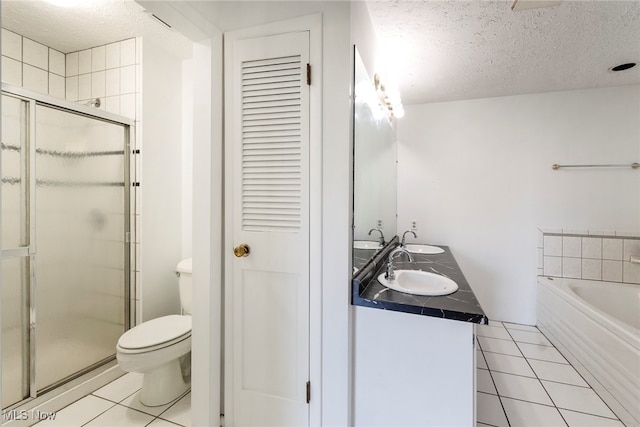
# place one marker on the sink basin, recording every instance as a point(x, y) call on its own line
point(366, 244)
point(417, 282)
point(424, 249)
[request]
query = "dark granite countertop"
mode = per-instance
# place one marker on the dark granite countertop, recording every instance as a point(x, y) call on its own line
point(461, 305)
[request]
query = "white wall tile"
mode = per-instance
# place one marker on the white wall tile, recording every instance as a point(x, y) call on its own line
point(34, 53)
point(128, 52)
point(113, 82)
point(591, 247)
point(630, 247)
point(84, 61)
point(11, 71)
point(72, 64)
point(98, 84)
point(553, 245)
point(112, 58)
point(611, 271)
point(128, 79)
point(35, 79)
point(57, 86)
point(98, 58)
point(612, 249)
point(128, 105)
point(552, 266)
point(11, 45)
point(601, 233)
point(591, 269)
point(84, 87)
point(71, 88)
point(572, 246)
point(630, 272)
point(57, 62)
point(572, 267)
point(112, 104)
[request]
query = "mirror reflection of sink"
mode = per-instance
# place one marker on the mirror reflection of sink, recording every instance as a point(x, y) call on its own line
point(424, 249)
point(366, 244)
point(417, 282)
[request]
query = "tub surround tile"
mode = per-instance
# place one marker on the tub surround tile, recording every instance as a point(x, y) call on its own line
point(601, 233)
point(522, 388)
point(572, 267)
point(128, 79)
point(581, 399)
point(98, 84)
point(35, 79)
point(630, 247)
point(56, 86)
point(490, 410)
point(591, 247)
point(578, 419)
point(71, 88)
point(35, 54)
point(528, 414)
point(552, 266)
point(630, 272)
point(575, 231)
point(127, 52)
point(612, 249)
point(112, 55)
point(72, 61)
point(56, 62)
point(611, 271)
point(84, 87)
point(11, 45)
point(591, 269)
point(571, 247)
point(461, 305)
point(509, 364)
point(557, 372)
point(494, 345)
point(84, 61)
point(553, 246)
point(98, 58)
point(11, 71)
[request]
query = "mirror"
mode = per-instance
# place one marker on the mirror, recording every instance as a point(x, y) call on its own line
point(374, 169)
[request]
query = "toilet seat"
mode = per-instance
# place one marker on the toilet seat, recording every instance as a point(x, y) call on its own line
point(155, 334)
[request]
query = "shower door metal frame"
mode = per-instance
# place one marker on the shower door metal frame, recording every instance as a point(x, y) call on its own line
point(32, 99)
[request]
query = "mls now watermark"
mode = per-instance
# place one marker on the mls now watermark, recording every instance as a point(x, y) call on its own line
point(24, 415)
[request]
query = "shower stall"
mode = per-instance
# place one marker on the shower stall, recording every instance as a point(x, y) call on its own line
point(65, 241)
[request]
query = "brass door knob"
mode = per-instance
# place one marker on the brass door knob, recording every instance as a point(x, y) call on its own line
point(242, 250)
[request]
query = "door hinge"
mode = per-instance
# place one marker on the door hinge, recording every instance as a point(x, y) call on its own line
point(308, 74)
point(308, 391)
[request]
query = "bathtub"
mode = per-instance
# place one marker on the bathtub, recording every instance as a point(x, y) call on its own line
point(597, 325)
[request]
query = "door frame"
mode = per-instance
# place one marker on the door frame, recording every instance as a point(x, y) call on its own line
point(312, 24)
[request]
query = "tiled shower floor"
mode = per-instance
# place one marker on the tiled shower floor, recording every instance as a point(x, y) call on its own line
point(522, 380)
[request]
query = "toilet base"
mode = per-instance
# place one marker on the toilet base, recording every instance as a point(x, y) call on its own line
point(163, 384)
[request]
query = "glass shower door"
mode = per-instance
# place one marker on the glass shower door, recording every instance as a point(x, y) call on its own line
point(81, 200)
point(16, 262)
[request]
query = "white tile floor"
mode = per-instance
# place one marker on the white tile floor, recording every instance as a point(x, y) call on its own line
point(524, 381)
point(117, 404)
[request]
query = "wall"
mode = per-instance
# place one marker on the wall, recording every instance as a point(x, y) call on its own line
point(476, 175)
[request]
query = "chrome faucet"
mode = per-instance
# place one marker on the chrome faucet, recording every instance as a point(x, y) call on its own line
point(381, 239)
point(405, 233)
point(399, 250)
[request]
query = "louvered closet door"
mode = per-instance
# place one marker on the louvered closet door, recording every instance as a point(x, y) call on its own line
point(271, 214)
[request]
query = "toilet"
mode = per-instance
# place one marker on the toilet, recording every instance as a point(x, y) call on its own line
point(160, 349)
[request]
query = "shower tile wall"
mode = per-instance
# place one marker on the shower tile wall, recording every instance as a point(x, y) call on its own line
point(111, 72)
point(590, 255)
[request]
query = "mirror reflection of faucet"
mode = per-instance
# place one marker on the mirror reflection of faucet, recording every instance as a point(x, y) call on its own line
point(381, 239)
point(415, 236)
point(399, 250)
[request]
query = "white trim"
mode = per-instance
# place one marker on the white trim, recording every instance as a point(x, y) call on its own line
point(313, 24)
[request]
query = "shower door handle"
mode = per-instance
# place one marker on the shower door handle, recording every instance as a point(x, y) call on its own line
point(242, 251)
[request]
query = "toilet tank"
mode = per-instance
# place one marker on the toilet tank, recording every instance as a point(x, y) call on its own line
point(185, 282)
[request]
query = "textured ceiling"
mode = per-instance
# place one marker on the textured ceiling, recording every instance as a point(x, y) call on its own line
point(88, 24)
point(450, 50)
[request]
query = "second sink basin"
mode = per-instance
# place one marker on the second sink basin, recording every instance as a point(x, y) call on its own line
point(417, 282)
point(424, 249)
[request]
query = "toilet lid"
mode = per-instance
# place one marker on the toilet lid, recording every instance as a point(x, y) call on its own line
point(156, 331)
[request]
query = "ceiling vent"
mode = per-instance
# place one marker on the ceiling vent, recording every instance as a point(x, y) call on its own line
point(519, 5)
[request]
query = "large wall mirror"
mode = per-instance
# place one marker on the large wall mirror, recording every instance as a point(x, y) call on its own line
point(374, 169)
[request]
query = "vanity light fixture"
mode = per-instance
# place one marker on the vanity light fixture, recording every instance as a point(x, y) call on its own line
point(388, 98)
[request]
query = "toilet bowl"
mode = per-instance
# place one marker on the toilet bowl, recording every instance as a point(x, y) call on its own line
point(160, 349)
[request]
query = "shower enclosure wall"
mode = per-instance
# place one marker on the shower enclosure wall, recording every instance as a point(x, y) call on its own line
point(65, 241)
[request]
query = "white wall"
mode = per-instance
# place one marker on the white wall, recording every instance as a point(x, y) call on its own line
point(187, 157)
point(476, 175)
point(161, 181)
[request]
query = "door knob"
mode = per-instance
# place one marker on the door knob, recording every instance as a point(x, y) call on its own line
point(242, 250)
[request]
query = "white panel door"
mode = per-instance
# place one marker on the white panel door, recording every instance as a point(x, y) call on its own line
point(270, 144)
